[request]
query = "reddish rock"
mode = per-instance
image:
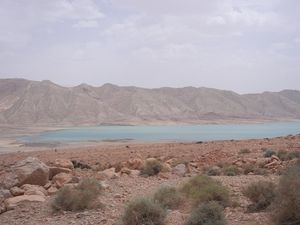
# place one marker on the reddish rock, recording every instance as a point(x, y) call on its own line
point(34, 190)
point(31, 171)
point(11, 203)
point(64, 163)
point(16, 191)
point(56, 170)
point(61, 179)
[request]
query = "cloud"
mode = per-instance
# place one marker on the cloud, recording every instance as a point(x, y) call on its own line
point(86, 24)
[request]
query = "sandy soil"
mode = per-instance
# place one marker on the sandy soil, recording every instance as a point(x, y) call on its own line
point(122, 189)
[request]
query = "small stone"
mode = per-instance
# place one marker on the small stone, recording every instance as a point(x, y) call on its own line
point(64, 163)
point(16, 191)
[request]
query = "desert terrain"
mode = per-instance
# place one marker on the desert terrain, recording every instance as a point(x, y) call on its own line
point(117, 166)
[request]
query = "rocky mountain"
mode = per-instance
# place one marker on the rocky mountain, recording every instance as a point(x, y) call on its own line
point(24, 102)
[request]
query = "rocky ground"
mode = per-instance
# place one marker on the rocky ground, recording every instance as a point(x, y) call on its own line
point(117, 167)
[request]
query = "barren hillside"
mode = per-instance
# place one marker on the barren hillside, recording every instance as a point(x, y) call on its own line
point(25, 102)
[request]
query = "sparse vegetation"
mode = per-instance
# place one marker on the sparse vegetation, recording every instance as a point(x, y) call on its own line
point(285, 155)
point(210, 213)
point(143, 212)
point(261, 194)
point(77, 198)
point(268, 153)
point(213, 171)
point(202, 189)
point(231, 170)
point(244, 151)
point(168, 197)
point(287, 203)
point(151, 168)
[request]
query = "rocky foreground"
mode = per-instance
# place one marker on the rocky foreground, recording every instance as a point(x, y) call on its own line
point(29, 181)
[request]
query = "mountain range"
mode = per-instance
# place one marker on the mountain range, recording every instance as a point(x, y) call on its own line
point(25, 102)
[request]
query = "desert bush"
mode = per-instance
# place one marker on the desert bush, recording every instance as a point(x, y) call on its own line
point(213, 171)
point(151, 168)
point(253, 168)
point(167, 197)
point(143, 211)
point(244, 151)
point(210, 213)
point(77, 198)
point(231, 170)
point(285, 155)
point(286, 206)
point(261, 194)
point(268, 153)
point(204, 189)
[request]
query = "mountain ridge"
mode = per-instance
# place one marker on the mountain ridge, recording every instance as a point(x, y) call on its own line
point(26, 102)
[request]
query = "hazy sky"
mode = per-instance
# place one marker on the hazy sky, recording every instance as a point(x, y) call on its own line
point(242, 45)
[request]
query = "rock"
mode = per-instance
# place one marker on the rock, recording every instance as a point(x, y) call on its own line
point(9, 180)
point(2, 208)
point(4, 194)
point(34, 190)
point(134, 173)
point(108, 174)
point(166, 167)
point(61, 179)
point(134, 164)
point(47, 186)
point(81, 165)
point(16, 191)
point(272, 165)
point(11, 203)
point(180, 170)
point(56, 170)
point(274, 157)
point(52, 190)
point(64, 163)
point(31, 171)
point(125, 170)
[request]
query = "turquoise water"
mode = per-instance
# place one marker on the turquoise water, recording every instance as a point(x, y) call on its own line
point(169, 132)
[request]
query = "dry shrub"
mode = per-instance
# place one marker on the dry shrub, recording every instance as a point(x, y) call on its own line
point(168, 197)
point(210, 213)
point(202, 189)
point(213, 171)
point(143, 211)
point(285, 155)
point(151, 168)
point(77, 198)
point(287, 201)
point(268, 153)
point(261, 194)
point(231, 170)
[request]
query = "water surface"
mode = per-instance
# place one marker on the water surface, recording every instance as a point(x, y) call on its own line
point(168, 132)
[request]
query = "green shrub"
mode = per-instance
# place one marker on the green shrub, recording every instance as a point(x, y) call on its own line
point(244, 151)
point(287, 201)
point(204, 189)
point(210, 213)
point(268, 153)
point(231, 170)
point(143, 212)
point(77, 198)
point(151, 168)
point(261, 194)
point(168, 197)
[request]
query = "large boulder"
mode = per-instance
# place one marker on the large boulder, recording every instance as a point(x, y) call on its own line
point(56, 170)
point(30, 189)
point(11, 203)
point(61, 179)
point(64, 163)
point(31, 171)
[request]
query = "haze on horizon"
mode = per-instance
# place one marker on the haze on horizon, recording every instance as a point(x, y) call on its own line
point(244, 46)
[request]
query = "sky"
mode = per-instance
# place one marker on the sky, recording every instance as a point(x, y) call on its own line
point(241, 45)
